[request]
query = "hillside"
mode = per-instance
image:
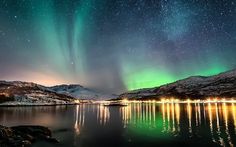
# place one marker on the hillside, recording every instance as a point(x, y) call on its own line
point(221, 85)
point(80, 92)
point(24, 93)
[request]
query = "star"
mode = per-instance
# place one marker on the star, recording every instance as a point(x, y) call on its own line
point(126, 43)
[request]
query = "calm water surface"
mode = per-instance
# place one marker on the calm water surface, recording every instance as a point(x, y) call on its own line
point(139, 124)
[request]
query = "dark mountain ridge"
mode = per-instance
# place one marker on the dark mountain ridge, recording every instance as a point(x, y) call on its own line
point(30, 93)
point(195, 87)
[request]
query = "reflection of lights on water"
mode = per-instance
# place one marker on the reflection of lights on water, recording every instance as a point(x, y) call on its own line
point(189, 111)
point(163, 117)
point(126, 114)
point(210, 120)
point(76, 120)
point(173, 100)
point(173, 116)
point(177, 115)
point(196, 114)
point(204, 113)
point(199, 113)
point(79, 118)
point(225, 112)
point(103, 114)
point(234, 115)
point(221, 141)
point(168, 117)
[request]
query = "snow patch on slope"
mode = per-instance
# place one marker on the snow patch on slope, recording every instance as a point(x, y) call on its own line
point(79, 92)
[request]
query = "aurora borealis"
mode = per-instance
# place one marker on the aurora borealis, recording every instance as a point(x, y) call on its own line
point(115, 45)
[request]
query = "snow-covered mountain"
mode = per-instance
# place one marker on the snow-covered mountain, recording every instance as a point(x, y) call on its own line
point(25, 93)
point(80, 92)
point(221, 85)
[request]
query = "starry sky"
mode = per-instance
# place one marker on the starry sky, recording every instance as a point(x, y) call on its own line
point(115, 45)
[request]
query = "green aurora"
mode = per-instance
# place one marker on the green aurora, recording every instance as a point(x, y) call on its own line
point(114, 46)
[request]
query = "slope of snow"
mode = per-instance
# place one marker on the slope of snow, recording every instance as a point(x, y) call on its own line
point(26, 93)
point(223, 84)
point(35, 99)
point(79, 92)
point(23, 93)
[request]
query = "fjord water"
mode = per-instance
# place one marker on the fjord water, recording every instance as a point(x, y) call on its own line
point(138, 124)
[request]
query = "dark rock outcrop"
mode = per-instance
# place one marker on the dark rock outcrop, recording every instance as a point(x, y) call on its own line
point(221, 85)
point(21, 136)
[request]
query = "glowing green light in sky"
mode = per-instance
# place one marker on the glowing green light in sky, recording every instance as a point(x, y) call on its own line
point(147, 78)
point(62, 38)
point(146, 75)
point(114, 46)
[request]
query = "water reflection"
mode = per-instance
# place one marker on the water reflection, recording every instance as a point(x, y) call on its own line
point(102, 115)
point(218, 118)
point(33, 115)
point(79, 118)
point(234, 115)
point(215, 122)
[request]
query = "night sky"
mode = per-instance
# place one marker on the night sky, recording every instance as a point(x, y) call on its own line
point(115, 45)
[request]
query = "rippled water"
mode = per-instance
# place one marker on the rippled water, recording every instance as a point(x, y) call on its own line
point(138, 124)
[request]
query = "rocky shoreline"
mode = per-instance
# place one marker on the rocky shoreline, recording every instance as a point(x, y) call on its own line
point(24, 136)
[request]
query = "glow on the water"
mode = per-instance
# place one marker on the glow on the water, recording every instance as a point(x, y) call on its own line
point(174, 100)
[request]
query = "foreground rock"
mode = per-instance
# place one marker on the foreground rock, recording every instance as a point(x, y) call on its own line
point(221, 85)
point(22, 136)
